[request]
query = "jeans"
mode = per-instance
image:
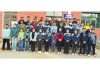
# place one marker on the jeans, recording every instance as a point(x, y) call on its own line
point(14, 43)
point(20, 45)
point(53, 46)
point(26, 45)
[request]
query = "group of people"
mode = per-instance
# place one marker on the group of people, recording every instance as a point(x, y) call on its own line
point(49, 34)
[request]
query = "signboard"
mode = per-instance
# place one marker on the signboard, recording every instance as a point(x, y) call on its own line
point(68, 16)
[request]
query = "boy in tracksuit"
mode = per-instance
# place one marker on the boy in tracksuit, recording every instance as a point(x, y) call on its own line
point(29, 26)
point(67, 39)
point(75, 41)
point(27, 40)
point(47, 40)
point(14, 35)
point(53, 40)
point(59, 38)
point(33, 36)
point(93, 40)
point(40, 38)
point(39, 26)
point(21, 36)
point(83, 42)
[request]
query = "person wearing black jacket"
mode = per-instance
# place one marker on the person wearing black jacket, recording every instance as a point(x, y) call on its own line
point(83, 42)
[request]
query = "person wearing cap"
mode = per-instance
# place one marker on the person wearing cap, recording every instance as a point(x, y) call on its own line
point(33, 36)
point(40, 37)
point(6, 32)
point(28, 20)
point(39, 26)
point(53, 40)
point(93, 40)
point(67, 40)
point(46, 26)
point(83, 42)
point(75, 41)
point(47, 37)
point(59, 38)
point(13, 21)
point(27, 39)
point(14, 36)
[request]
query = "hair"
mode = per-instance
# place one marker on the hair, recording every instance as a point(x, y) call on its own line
point(14, 17)
point(28, 16)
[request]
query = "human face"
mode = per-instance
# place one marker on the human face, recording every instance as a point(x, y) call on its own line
point(75, 31)
point(67, 31)
point(33, 30)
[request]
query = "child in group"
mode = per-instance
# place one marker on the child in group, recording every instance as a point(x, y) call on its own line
point(14, 35)
point(83, 41)
point(6, 37)
point(27, 40)
point(67, 39)
point(20, 40)
point(28, 20)
point(93, 40)
point(75, 41)
point(47, 40)
point(54, 27)
point(59, 38)
point(40, 40)
point(53, 40)
point(39, 26)
point(29, 26)
point(33, 36)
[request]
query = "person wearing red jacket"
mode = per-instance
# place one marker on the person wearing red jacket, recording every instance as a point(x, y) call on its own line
point(59, 38)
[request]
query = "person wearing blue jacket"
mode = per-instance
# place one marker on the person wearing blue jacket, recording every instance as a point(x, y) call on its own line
point(40, 38)
point(93, 40)
point(83, 42)
point(47, 37)
point(53, 27)
point(46, 26)
point(39, 26)
point(75, 41)
point(6, 32)
point(14, 35)
point(67, 39)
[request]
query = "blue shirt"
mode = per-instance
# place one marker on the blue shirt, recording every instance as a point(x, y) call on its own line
point(54, 28)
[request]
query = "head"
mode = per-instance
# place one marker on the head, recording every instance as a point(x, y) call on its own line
point(22, 21)
point(29, 23)
point(67, 31)
point(93, 30)
point(61, 24)
point(22, 18)
point(28, 29)
point(78, 20)
point(33, 30)
point(28, 17)
point(76, 31)
point(75, 23)
point(74, 19)
point(21, 30)
point(35, 18)
point(40, 22)
point(6, 26)
point(47, 22)
point(52, 18)
point(54, 23)
point(84, 29)
point(40, 30)
point(47, 31)
point(14, 18)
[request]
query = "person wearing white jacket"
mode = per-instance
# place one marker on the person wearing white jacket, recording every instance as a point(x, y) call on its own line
point(33, 36)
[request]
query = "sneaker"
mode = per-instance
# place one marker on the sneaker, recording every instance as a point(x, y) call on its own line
point(39, 51)
point(80, 54)
point(88, 54)
point(14, 50)
point(75, 54)
point(59, 52)
point(94, 55)
point(47, 52)
point(85, 54)
point(72, 53)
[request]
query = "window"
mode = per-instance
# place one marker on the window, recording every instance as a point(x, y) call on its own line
point(50, 13)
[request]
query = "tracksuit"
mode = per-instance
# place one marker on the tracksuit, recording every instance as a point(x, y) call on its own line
point(40, 38)
point(46, 27)
point(6, 38)
point(93, 42)
point(83, 41)
point(14, 35)
point(33, 36)
point(53, 41)
point(30, 27)
point(67, 40)
point(47, 37)
point(75, 42)
point(59, 38)
point(27, 40)
point(39, 27)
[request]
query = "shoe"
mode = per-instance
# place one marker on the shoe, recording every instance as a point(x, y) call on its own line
point(85, 54)
point(59, 52)
point(14, 50)
point(88, 54)
point(72, 53)
point(94, 55)
point(80, 54)
point(47, 52)
point(75, 54)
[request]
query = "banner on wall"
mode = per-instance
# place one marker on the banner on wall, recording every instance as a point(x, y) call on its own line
point(69, 16)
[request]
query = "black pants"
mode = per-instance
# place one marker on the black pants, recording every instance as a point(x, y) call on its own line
point(8, 44)
point(93, 49)
point(83, 48)
point(47, 46)
point(40, 43)
point(33, 45)
point(74, 47)
point(59, 45)
point(66, 48)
